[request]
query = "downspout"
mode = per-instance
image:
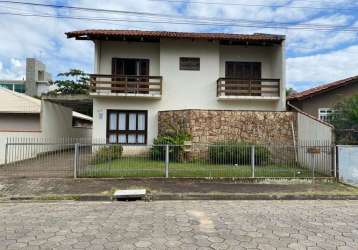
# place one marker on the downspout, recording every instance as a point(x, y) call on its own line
point(294, 141)
point(294, 134)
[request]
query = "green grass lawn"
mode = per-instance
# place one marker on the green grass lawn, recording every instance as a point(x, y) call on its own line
point(137, 167)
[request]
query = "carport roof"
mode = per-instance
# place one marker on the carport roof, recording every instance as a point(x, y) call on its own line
point(17, 103)
point(13, 102)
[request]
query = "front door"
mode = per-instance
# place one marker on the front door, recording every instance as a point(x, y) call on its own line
point(134, 71)
point(243, 74)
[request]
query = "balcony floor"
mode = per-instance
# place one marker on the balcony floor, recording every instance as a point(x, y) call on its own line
point(126, 95)
point(254, 98)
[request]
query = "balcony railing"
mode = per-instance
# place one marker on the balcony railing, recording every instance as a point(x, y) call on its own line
point(126, 85)
point(241, 88)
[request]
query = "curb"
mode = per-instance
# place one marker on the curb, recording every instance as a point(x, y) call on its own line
point(159, 197)
point(185, 196)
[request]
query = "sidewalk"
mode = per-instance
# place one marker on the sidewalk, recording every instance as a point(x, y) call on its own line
point(171, 189)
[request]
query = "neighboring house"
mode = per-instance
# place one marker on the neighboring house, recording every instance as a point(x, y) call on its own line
point(139, 74)
point(26, 117)
point(36, 82)
point(320, 101)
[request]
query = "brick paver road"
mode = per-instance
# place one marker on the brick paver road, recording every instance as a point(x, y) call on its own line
point(180, 225)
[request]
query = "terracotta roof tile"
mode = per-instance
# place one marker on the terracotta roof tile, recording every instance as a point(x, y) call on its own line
point(322, 88)
point(93, 33)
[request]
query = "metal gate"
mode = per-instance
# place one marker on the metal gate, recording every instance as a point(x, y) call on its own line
point(348, 163)
point(38, 157)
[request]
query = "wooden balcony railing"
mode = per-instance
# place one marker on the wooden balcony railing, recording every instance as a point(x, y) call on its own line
point(126, 85)
point(232, 87)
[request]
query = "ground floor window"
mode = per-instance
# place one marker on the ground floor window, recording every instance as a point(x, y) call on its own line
point(325, 114)
point(127, 126)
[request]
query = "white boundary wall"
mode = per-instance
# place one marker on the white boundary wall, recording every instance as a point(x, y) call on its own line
point(56, 124)
point(313, 132)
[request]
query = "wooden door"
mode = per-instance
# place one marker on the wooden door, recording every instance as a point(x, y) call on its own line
point(117, 71)
point(143, 70)
point(244, 75)
point(131, 70)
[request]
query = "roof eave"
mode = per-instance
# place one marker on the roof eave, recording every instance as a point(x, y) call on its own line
point(86, 35)
point(301, 98)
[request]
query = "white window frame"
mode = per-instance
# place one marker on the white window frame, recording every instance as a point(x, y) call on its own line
point(325, 114)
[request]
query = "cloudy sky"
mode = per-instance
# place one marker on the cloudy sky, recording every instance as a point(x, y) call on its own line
point(313, 56)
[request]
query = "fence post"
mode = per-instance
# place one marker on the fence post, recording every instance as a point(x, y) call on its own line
point(166, 161)
point(334, 156)
point(253, 160)
point(75, 164)
point(314, 166)
point(6, 149)
point(336, 167)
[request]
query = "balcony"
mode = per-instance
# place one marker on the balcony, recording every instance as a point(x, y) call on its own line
point(240, 89)
point(126, 86)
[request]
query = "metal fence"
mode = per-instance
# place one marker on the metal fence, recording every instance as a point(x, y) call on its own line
point(39, 157)
point(81, 158)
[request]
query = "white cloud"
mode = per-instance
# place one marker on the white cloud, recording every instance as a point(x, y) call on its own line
point(308, 41)
point(322, 68)
point(14, 71)
point(16, 63)
point(44, 37)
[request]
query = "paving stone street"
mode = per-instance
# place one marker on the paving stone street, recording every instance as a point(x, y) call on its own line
point(180, 225)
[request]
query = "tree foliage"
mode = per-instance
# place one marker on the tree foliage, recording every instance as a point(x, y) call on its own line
point(73, 82)
point(345, 120)
point(290, 91)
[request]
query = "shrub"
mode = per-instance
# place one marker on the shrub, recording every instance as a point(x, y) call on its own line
point(107, 154)
point(233, 152)
point(176, 138)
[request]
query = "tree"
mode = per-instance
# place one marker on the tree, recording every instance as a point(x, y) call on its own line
point(345, 120)
point(290, 91)
point(73, 82)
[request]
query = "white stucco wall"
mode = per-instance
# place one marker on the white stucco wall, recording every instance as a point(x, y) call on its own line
point(5, 135)
point(19, 122)
point(55, 125)
point(56, 122)
point(312, 132)
point(183, 89)
point(109, 49)
point(310, 129)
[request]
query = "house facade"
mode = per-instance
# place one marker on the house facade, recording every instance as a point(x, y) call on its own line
point(320, 101)
point(140, 74)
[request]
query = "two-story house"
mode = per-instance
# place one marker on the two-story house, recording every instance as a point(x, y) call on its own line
point(139, 74)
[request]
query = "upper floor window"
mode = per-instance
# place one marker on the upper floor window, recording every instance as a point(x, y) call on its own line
point(325, 114)
point(190, 63)
point(20, 88)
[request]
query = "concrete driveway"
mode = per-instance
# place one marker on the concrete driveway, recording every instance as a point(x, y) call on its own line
point(56, 165)
point(180, 225)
